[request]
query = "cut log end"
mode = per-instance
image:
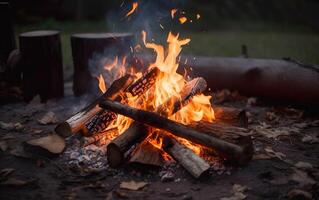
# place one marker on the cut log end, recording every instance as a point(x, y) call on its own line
point(63, 129)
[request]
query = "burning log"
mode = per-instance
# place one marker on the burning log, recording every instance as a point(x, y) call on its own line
point(84, 45)
point(230, 115)
point(42, 64)
point(194, 164)
point(147, 154)
point(104, 118)
point(137, 132)
point(77, 121)
point(234, 152)
point(85, 141)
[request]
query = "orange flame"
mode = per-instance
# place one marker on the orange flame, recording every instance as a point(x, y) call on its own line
point(134, 7)
point(102, 85)
point(182, 20)
point(173, 12)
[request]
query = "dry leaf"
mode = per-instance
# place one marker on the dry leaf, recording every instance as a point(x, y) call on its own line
point(48, 118)
point(132, 185)
point(7, 171)
point(270, 152)
point(238, 193)
point(304, 165)
point(53, 143)
point(3, 145)
point(310, 139)
point(299, 194)
point(14, 182)
point(261, 157)
point(10, 126)
point(302, 178)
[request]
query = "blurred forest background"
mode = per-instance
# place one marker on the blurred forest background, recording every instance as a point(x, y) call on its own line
point(269, 28)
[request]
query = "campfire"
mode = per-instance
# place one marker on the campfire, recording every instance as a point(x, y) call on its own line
point(160, 110)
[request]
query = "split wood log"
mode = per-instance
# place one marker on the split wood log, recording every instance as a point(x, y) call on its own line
point(85, 141)
point(76, 122)
point(138, 132)
point(277, 80)
point(194, 164)
point(51, 145)
point(104, 118)
point(42, 64)
point(147, 154)
point(235, 135)
point(84, 45)
point(234, 152)
point(230, 115)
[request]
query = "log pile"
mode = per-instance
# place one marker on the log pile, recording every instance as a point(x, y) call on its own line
point(227, 136)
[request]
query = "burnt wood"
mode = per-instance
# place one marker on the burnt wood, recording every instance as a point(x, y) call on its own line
point(42, 64)
point(194, 164)
point(230, 115)
point(77, 121)
point(85, 141)
point(85, 45)
point(234, 152)
point(138, 132)
point(104, 118)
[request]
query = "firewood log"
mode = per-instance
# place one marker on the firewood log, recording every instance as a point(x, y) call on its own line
point(85, 141)
point(77, 121)
point(234, 153)
point(194, 164)
point(42, 64)
point(137, 132)
point(146, 154)
point(104, 118)
point(230, 115)
point(84, 45)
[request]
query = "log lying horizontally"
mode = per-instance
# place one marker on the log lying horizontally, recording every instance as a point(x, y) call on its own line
point(104, 118)
point(138, 132)
point(194, 164)
point(234, 152)
point(77, 121)
point(231, 116)
point(85, 141)
point(147, 154)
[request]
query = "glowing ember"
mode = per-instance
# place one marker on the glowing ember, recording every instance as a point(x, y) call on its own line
point(197, 16)
point(182, 20)
point(134, 7)
point(173, 12)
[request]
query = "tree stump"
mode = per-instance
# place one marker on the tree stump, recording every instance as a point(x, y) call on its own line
point(85, 45)
point(42, 64)
point(7, 42)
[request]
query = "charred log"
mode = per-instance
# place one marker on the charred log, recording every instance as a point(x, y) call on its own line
point(234, 152)
point(85, 141)
point(77, 121)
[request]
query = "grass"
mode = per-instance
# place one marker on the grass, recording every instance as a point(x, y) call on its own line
point(269, 43)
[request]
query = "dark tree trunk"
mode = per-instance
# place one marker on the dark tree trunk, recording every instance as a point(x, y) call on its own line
point(85, 45)
point(42, 64)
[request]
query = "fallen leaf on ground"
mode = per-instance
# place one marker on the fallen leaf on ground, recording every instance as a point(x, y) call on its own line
point(5, 172)
point(132, 185)
point(272, 132)
point(3, 145)
point(14, 182)
point(48, 118)
point(261, 157)
point(311, 139)
point(304, 165)
point(10, 126)
point(302, 178)
point(270, 152)
point(238, 193)
point(299, 194)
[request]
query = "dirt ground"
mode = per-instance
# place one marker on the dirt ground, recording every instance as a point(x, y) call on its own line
point(285, 164)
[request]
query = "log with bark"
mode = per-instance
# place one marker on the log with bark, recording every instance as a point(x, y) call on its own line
point(84, 45)
point(146, 154)
point(104, 118)
point(233, 152)
point(42, 64)
point(276, 80)
point(85, 141)
point(77, 121)
point(194, 164)
point(138, 132)
point(231, 115)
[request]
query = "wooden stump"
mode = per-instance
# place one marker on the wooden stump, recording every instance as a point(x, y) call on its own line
point(42, 64)
point(85, 45)
point(7, 42)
